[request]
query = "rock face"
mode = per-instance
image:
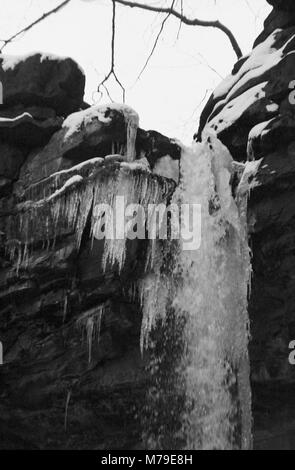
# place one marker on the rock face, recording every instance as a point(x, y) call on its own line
point(73, 375)
point(253, 113)
point(70, 318)
point(42, 80)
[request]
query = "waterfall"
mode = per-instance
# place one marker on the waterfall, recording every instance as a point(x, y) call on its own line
point(201, 311)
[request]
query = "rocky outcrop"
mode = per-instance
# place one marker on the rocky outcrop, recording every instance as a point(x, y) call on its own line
point(42, 80)
point(70, 318)
point(253, 113)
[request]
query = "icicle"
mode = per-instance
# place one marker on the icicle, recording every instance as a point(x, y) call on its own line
point(89, 332)
point(90, 323)
point(118, 191)
point(153, 294)
point(65, 307)
point(69, 394)
point(69, 207)
point(132, 122)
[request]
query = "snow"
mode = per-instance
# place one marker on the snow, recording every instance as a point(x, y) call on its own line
point(86, 119)
point(168, 168)
point(248, 180)
point(263, 58)
point(79, 166)
point(5, 121)
point(141, 164)
point(238, 107)
point(9, 62)
point(70, 182)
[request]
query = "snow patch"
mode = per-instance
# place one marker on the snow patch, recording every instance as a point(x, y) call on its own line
point(9, 62)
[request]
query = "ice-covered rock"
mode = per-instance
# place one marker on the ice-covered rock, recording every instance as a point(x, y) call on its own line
point(253, 113)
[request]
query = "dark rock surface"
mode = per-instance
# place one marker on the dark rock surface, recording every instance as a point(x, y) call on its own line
point(54, 391)
point(286, 5)
point(42, 80)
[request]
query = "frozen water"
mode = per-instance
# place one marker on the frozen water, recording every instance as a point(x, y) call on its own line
point(209, 288)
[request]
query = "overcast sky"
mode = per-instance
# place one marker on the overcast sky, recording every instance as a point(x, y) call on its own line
point(171, 93)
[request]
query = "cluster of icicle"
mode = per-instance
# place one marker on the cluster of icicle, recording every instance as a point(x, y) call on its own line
point(67, 209)
point(81, 121)
point(209, 287)
point(61, 203)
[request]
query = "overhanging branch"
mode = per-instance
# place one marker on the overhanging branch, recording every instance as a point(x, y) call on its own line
point(31, 25)
point(190, 22)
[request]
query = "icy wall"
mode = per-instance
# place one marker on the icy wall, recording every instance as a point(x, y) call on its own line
point(253, 113)
point(206, 391)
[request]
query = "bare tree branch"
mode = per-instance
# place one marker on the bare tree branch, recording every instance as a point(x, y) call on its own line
point(112, 71)
point(162, 10)
point(31, 25)
point(180, 22)
point(156, 42)
point(190, 22)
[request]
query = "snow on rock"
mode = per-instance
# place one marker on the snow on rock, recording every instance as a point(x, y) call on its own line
point(43, 80)
point(11, 61)
point(168, 168)
point(254, 116)
point(255, 92)
point(87, 120)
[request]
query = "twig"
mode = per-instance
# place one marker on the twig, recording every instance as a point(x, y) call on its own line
point(112, 71)
point(31, 25)
point(180, 22)
point(156, 42)
point(190, 22)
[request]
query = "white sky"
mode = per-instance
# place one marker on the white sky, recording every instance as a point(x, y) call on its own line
point(171, 94)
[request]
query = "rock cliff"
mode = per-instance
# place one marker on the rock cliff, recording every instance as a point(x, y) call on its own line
point(253, 113)
point(73, 376)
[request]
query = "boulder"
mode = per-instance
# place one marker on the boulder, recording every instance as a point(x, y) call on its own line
point(95, 132)
point(27, 131)
point(287, 5)
point(256, 91)
point(42, 80)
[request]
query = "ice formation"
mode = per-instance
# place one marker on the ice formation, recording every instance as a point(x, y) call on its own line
point(132, 122)
point(70, 200)
point(209, 288)
point(90, 325)
point(68, 399)
point(86, 119)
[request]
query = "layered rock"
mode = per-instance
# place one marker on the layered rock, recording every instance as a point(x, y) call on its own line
point(70, 316)
point(253, 113)
point(42, 80)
